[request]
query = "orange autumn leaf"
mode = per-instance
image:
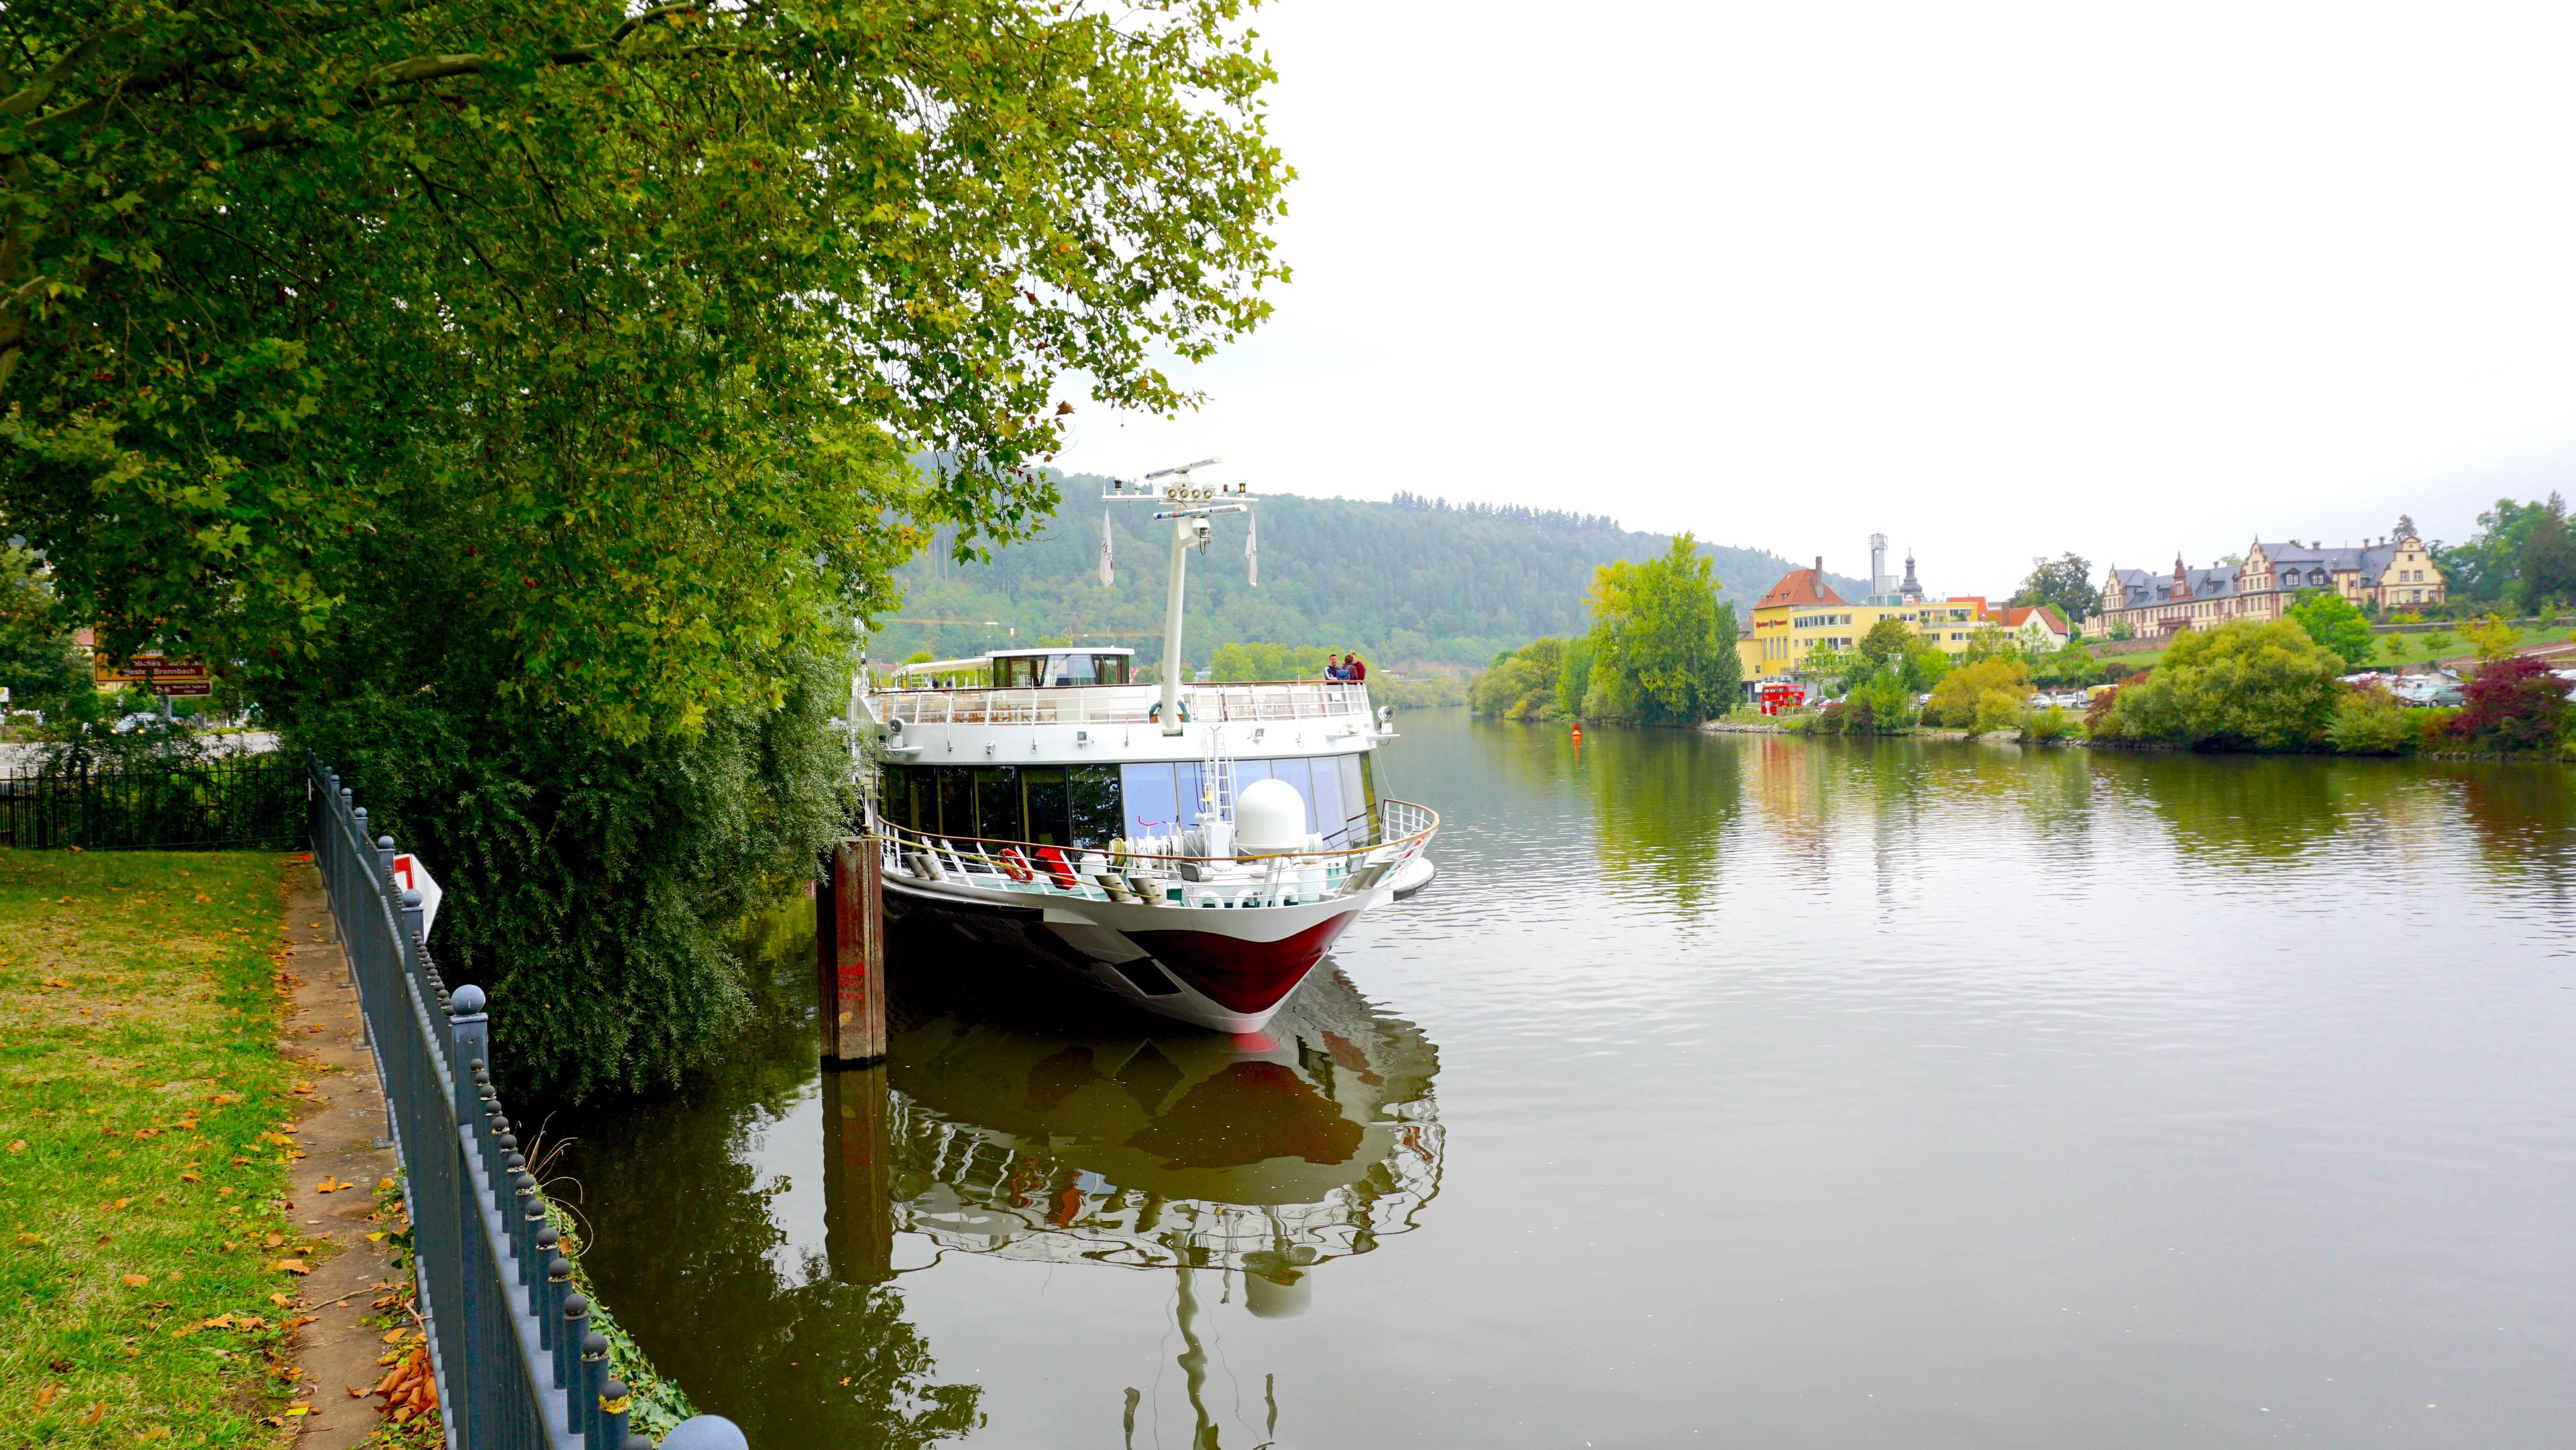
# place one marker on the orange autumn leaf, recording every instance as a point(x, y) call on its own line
point(330, 1184)
point(137, 1281)
point(46, 1396)
point(192, 1178)
point(272, 1241)
point(280, 1299)
point(290, 1266)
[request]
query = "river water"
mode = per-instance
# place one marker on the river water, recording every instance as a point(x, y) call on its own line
point(1735, 1090)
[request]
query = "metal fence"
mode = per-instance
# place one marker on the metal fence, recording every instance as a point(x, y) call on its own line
point(518, 1366)
point(240, 802)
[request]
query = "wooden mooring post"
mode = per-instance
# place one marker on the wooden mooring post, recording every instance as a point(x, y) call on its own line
point(849, 952)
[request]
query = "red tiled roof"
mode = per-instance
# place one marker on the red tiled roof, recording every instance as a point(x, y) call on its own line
point(2013, 616)
point(1799, 586)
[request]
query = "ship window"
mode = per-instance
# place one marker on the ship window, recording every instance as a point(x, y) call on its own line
point(1248, 771)
point(1110, 669)
point(1326, 804)
point(956, 800)
point(1092, 802)
point(1190, 792)
point(1069, 670)
point(997, 803)
point(1016, 672)
point(1042, 789)
point(1359, 798)
point(1150, 802)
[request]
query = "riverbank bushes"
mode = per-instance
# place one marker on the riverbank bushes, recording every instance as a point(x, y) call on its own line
point(2245, 686)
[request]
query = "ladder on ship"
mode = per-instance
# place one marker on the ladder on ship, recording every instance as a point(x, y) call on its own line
point(1216, 776)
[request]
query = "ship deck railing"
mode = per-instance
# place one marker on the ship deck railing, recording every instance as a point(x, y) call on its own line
point(1144, 877)
point(1261, 701)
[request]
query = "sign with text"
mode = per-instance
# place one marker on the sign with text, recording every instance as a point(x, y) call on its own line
point(182, 687)
point(411, 875)
point(147, 667)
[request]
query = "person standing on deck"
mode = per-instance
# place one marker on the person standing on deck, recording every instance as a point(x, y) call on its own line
point(1355, 672)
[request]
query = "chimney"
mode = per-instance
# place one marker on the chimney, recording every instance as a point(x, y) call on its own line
point(1820, 568)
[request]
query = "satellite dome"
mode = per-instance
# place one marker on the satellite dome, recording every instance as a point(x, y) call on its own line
point(1269, 817)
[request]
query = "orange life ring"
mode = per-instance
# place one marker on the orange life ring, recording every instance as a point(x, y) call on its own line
point(1052, 861)
point(1016, 865)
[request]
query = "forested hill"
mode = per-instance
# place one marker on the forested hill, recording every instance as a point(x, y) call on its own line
point(1415, 581)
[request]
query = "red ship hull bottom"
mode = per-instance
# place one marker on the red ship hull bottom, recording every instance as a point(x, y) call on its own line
point(1208, 979)
point(1250, 977)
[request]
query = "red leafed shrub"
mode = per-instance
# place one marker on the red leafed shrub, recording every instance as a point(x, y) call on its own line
point(2513, 704)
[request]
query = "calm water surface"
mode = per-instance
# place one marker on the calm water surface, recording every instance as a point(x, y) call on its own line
point(1725, 1090)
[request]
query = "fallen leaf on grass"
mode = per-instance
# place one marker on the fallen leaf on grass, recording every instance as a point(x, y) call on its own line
point(192, 1178)
point(47, 1395)
point(97, 1412)
point(384, 1185)
point(137, 1281)
point(280, 1300)
point(300, 1320)
point(272, 1241)
point(290, 1266)
point(30, 1241)
point(18, 1145)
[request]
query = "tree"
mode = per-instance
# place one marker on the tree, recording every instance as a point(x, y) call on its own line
point(39, 665)
point(1988, 642)
point(1663, 647)
point(2514, 704)
point(2492, 638)
point(1522, 683)
point(523, 392)
point(2404, 529)
point(2066, 581)
point(1961, 700)
point(2070, 664)
point(2548, 557)
point(2332, 621)
point(2244, 685)
point(1890, 638)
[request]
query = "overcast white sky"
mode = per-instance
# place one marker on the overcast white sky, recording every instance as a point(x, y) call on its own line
point(1998, 280)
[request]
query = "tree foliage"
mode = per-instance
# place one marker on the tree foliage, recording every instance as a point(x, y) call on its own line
point(1523, 684)
point(2514, 704)
point(2244, 685)
point(2333, 621)
point(518, 395)
point(1981, 695)
point(1663, 647)
point(2494, 565)
point(2065, 581)
point(657, 292)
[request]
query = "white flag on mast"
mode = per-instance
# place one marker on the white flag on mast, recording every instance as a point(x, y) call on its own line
point(1107, 569)
point(1252, 550)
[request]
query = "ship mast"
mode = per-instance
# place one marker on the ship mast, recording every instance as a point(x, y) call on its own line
point(1189, 506)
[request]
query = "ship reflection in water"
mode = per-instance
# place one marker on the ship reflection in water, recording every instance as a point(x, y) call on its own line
point(1267, 1153)
point(1064, 1133)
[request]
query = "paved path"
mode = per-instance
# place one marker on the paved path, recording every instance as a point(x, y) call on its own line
point(340, 1133)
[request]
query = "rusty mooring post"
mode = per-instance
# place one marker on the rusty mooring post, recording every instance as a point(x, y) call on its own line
point(849, 951)
point(858, 1176)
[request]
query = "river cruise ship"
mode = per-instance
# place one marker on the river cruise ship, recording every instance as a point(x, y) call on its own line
point(1193, 849)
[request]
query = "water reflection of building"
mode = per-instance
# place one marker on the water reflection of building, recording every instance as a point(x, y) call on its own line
point(1267, 1153)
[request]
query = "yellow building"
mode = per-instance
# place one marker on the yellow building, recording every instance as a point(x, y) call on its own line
point(1802, 612)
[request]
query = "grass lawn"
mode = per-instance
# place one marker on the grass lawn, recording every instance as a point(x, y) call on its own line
point(146, 1262)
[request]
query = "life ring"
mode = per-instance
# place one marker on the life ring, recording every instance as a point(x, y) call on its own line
point(1015, 865)
point(1154, 712)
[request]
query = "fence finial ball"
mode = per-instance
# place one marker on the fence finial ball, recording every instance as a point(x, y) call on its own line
point(466, 1000)
point(705, 1432)
point(384, 843)
point(411, 897)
